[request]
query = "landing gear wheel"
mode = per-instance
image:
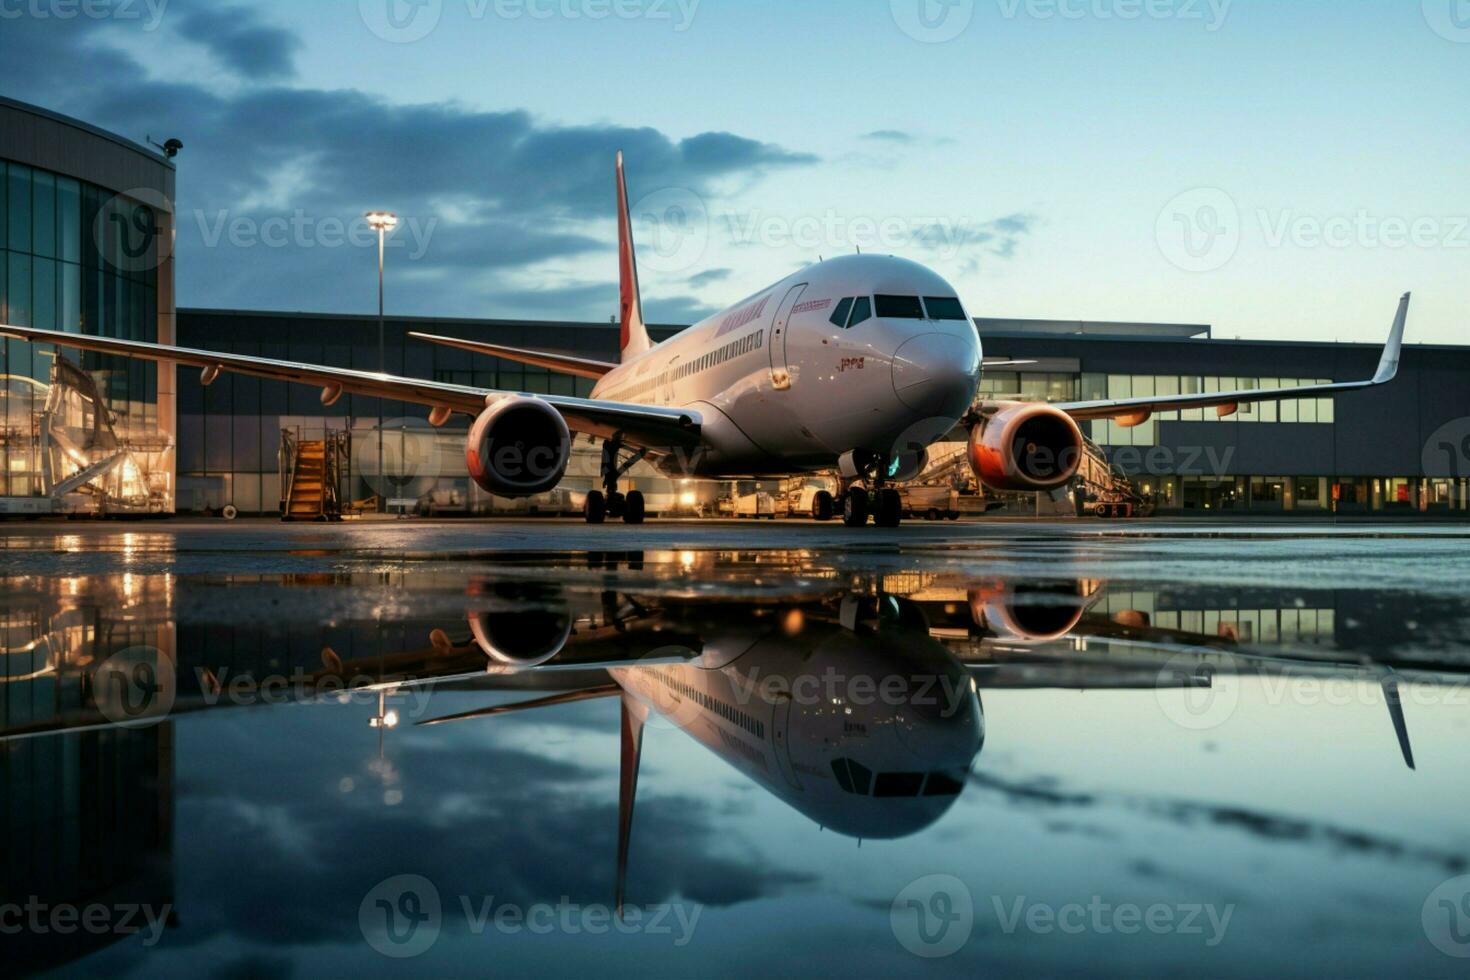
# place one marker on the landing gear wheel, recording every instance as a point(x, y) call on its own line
point(595, 509)
point(617, 505)
point(822, 506)
point(889, 509)
point(855, 507)
point(633, 508)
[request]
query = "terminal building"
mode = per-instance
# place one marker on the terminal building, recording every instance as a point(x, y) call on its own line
point(85, 223)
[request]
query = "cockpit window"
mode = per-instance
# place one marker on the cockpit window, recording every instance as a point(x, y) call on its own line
point(839, 315)
point(944, 308)
point(856, 778)
point(944, 783)
point(899, 307)
point(862, 309)
point(852, 776)
point(898, 784)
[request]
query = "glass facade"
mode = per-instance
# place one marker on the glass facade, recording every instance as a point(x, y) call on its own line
point(78, 258)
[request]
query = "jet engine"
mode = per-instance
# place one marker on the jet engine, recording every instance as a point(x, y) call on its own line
point(530, 625)
point(1028, 613)
point(518, 447)
point(1026, 447)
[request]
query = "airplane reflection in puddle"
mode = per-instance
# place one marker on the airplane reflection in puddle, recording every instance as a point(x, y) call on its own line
point(853, 698)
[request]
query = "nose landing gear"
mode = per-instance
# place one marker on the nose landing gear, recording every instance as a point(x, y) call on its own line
point(883, 503)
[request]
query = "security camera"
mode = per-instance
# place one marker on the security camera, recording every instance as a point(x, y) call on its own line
point(171, 148)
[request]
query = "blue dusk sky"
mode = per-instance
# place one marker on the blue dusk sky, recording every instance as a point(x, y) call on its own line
point(1276, 169)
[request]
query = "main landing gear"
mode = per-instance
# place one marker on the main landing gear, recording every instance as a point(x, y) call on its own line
point(608, 502)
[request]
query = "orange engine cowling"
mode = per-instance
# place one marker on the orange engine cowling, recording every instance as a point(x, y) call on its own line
point(518, 447)
point(1026, 447)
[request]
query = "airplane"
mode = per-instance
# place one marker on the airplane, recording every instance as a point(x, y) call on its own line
point(857, 364)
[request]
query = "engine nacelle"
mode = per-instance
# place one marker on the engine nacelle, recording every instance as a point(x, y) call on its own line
point(1028, 614)
point(518, 447)
point(1026, 447)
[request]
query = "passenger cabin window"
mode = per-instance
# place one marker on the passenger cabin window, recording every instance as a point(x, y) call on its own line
point(899, 307)
point(862, 309)
point(943, 308)
point(839, 315)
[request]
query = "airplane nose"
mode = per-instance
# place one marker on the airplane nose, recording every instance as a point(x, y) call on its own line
point(937, 374)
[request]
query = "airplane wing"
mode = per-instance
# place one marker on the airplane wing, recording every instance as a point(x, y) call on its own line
point(582, 367)
point(1228, 401)
point(645, 426)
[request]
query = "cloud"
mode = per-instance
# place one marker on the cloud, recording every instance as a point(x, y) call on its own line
point(709, 277)
point(236, 37)
point(889, 136)
point(504, 203)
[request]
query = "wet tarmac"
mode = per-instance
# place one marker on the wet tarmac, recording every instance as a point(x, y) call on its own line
point(1009, 748)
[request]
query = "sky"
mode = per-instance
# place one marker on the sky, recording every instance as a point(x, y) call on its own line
point(1275, 169)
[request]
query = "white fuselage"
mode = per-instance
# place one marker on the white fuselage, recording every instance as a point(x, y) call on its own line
point(783, 389)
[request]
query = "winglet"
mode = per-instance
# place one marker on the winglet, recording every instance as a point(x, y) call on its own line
point(1390, 686)
point(634, 336)
point(1388, 365)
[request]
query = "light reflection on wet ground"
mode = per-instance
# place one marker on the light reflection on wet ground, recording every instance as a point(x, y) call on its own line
point(329, 751)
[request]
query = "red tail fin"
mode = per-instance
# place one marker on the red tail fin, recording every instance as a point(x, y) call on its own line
point(634, 338)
